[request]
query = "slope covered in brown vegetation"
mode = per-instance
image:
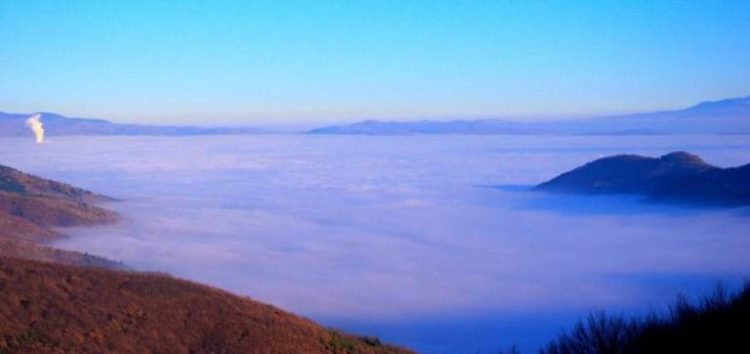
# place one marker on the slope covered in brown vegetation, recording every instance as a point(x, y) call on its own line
point(15, 181)
point(52, 308)
point(30, 206)
point(50, 211)
point(32, 251)
point(16, 228)
point(48, 203)
point(56, 301)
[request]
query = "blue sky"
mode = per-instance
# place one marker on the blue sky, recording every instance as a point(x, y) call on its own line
point(244, 62)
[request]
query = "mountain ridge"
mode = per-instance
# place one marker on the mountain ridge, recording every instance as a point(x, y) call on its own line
point(727, 116)
point(677, 177)
point(724, 116)
point(13, 125)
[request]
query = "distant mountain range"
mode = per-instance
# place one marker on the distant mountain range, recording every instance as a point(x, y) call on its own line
point(13, 124)
point(729, 116)
point(676, 177)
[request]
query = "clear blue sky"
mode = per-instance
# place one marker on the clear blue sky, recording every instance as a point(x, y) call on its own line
point(258, 61)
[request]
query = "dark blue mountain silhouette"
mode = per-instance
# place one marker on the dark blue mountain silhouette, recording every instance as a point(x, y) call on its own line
point(676, 177)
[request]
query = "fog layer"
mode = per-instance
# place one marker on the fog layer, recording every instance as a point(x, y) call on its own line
point(399, 230)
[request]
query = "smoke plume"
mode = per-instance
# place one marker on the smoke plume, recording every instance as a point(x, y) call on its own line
point(35, 124)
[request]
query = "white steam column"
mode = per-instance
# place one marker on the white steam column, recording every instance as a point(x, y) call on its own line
point(35, 124)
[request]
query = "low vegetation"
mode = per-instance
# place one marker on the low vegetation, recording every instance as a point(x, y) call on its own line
point(718, 323)
point(53, 308)
point(56, 301)
point(31, 206)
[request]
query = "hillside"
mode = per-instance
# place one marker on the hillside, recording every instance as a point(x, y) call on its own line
point(51, 308)
point(15, 181)
point(13, 124)
point(730, 186)
point(31, 206)
point(716, 323)
point(48, 203)
point(626, 174)
point(677, 177)
point(56, 301)
point(729, 116)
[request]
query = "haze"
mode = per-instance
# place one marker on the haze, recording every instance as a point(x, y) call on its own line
point(401, 237)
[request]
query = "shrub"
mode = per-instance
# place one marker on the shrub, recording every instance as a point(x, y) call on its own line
point(717, 323)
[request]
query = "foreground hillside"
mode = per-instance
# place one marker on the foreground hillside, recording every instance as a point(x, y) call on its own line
point(676, 177)
point(56, 301)
point(52, 308)
point(716, 324)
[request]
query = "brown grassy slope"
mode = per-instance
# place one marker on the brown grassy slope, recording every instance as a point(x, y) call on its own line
point(57, 308)
point(30, 206)
point(15, 181)
point(16, 228)
point(48, 308)
point(29, 250)
point(48, 203)
point(21, 238)
point(47, 211)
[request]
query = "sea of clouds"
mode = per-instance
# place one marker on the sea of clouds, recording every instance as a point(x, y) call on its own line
point(431, 241)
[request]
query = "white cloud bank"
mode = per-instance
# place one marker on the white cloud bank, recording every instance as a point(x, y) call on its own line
point(394, 228)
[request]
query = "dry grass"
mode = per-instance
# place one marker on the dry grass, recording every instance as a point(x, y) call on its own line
point(50, 304)
point(30, 206)
point(718, 323)
point(52, 308)
point(46, 211)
